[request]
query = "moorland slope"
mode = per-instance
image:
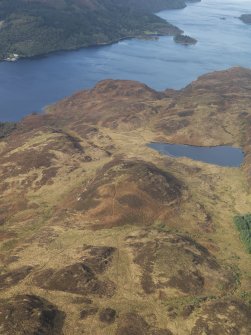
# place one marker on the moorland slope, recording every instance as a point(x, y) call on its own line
point(99, 234)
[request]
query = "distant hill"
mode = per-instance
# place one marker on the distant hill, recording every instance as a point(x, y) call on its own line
point(34, 27)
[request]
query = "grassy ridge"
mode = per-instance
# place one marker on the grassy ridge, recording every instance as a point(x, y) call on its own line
point(243, 224)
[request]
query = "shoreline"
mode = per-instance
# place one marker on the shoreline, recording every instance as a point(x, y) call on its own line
point(95, 45)
point(172, 31)
point(198, 146)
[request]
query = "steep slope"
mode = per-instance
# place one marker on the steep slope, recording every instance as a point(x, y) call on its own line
point(102, 235)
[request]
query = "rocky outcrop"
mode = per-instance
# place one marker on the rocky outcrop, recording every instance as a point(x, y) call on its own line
point(246, 18)
point(184, 39)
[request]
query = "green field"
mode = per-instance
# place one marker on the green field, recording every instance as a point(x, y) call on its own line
point(243, 224)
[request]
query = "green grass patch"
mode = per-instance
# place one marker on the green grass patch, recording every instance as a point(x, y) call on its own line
point(246, 296)
point(243, 224)
point(9, 245)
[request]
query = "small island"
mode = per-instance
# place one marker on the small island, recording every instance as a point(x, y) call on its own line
point(184, 39)
point(246, 18)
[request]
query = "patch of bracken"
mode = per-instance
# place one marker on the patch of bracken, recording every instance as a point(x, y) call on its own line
point(12, 278)
point(223, 317)
point(30, 315)
point(83, 277)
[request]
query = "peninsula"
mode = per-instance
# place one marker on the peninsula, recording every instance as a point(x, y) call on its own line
point(36, 27)
point(184, 39)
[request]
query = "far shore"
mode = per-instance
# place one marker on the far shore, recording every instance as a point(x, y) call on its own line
point(94, 45)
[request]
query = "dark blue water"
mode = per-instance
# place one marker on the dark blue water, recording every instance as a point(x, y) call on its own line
point(220, 155)
point(28, 85)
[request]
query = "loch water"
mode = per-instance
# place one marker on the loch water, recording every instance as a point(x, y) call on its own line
point(223, 41)
point(226, 156)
